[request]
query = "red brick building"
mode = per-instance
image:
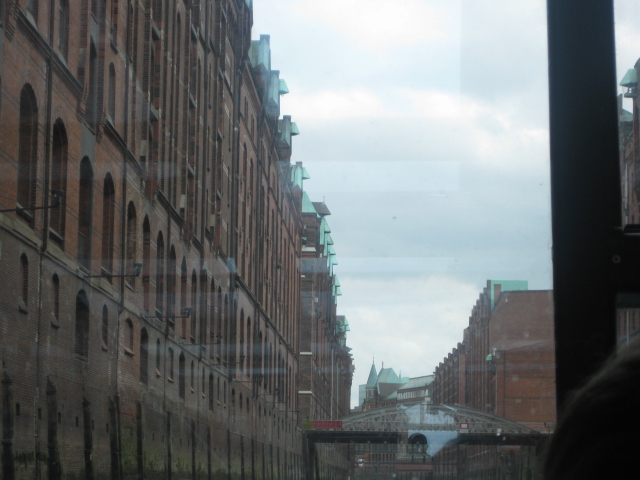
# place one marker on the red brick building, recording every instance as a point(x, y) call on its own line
point(153, 327)
point(326, 365)
point(504, 366)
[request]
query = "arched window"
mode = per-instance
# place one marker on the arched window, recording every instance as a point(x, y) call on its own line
point(248, 346)
point(202, 337)
point(144, 356)
point(159, 274)
point(194, 305)
point(108, 217)
point(258, 356)
point(132, 243)
point(157, 11)
point(128, 335)
point(174, 178)
point(132, 29)
point(241, 342)
point(219, 331)
point(146, 264)
point(191, 198)
point(105, 326)
point(59, 152)
point(183, 295)
point(170, 369)
point(181, 375)
point(114, 21)
point(23, 300)
point(211, 392)
point(91, 110)
point(171, 287)
point(153, 82)
point(82, 325)
point(63, 29)
point(213, 332)
point(112, 93)
point(85, 203)
point(158, 357)
point(32, 8)
point(226, 328)
point(28, 152)
point(56, 298)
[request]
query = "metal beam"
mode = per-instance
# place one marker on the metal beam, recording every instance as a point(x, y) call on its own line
point(585, 184)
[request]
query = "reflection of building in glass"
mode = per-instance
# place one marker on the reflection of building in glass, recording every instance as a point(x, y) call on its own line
point(628, 319)
point(505, 366)
point(151, 316)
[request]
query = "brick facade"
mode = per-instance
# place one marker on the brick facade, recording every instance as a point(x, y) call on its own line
point(161, 123)
point(505, 366)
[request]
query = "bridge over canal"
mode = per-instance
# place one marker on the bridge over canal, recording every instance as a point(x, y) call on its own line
point(431, 425)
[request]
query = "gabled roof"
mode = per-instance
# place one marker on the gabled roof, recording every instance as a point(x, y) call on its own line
point(388, 375)
point(372, 381)
point(417, 382)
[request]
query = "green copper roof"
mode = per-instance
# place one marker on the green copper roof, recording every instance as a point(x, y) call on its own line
point(273, 93)
point(342, 325)
point(283, 87)
point(298, 173)
point(285, 130)
point(373, 377)
point(630, 78)
point(336, 285)
point(322, 208)
point(260, 53)
point(307, 205)
point(294, 129)
point(505, 286)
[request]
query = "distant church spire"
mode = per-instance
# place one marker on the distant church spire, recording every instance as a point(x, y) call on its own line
point(373, 377)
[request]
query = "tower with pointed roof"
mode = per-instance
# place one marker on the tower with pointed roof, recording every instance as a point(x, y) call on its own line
point(381, 387)
point(371, 386)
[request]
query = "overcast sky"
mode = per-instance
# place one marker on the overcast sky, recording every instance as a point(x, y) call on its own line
point(424, 127)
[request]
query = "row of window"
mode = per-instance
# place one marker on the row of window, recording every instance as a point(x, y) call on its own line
point(251, 350)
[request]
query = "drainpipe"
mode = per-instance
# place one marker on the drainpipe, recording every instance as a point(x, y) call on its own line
point(45, 229)
point(331, 397)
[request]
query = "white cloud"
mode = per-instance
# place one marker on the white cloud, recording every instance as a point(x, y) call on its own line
point(425, 126)
point(378, 84)
point(392, 175)
point(410, 324)
point(382, 24)
point(335, 104)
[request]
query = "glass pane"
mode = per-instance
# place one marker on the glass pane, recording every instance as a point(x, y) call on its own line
point(627, 14)
point(338, 212)
point(426, 135)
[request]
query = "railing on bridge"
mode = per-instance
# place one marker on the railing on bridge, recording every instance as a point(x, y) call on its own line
point(433, 426)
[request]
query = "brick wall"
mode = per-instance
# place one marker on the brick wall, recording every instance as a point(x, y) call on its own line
point(232, 220)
